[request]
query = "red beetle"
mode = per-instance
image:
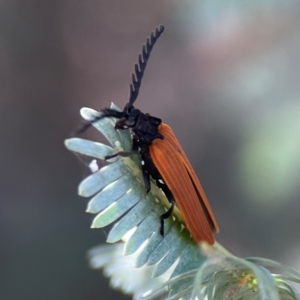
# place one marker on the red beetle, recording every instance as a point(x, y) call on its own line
point(163, 157)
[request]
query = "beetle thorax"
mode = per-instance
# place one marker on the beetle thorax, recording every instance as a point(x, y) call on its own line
point(143, 126)
point(146, 128)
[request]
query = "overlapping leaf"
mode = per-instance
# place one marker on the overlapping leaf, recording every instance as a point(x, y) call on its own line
point(172, 266)
point(118, 195)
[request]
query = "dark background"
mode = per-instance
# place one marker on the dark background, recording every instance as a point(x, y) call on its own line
point(224, 76)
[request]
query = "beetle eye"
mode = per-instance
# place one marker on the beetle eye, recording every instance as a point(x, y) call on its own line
point(156, 121)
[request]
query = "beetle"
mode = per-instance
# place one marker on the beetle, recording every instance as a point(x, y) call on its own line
point(163, 157)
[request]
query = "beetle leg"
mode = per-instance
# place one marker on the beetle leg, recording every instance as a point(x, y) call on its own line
point(121, 153)
point(134, 150)
point(146, 178)
point(169, 212)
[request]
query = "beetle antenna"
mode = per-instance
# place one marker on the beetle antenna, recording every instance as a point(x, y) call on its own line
point(140, 67)
point(137, 76)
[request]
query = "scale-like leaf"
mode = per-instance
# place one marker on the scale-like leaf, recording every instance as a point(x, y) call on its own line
point(88, 148)
point(133, 218)
point(152, 244)
point(180, 268)
point(109, 194)
point(102, 178)
point(175, 251)
point(106, 125)
point(142, 233)
point(116, 210)
point(164, 246)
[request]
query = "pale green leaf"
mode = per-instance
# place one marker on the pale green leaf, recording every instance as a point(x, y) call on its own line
point(116, 210)
point(88, 148)
point(152, 244)
point(164, 246)
point(145, 229)
point(110, 194)
point(175, 251)
point(133, 218)
point(99, 180)
point(105, 125)
point(180, 268)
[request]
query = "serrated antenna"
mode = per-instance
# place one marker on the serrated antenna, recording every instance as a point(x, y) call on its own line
point(140, 67)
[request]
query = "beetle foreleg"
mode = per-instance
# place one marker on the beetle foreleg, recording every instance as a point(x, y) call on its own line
point(134, 150)
point(121, 153)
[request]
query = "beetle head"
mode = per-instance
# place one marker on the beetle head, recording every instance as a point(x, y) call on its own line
point(146, 128)
point(129, 119)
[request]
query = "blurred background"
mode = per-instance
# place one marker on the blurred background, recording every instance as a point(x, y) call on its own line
point(224, 75)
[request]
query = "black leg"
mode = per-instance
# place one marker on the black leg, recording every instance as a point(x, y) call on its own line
point(168, 213)
point(134, 150)
point(146, 177)
point(121, 153)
